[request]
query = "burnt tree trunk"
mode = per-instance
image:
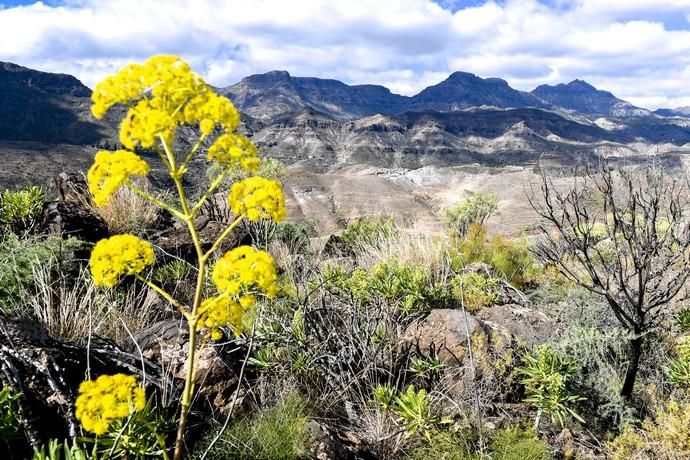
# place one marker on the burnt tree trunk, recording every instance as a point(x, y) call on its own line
point(635, 354)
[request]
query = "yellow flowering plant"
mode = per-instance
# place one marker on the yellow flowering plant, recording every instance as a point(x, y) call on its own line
point(160, 96)
point(106, 399)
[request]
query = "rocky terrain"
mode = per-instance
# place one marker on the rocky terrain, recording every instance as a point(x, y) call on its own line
point(343, 143)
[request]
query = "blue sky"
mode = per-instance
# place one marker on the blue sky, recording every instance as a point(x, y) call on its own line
point(638, 49)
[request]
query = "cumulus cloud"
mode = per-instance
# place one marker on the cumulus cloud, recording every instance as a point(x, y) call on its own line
point(625, 46)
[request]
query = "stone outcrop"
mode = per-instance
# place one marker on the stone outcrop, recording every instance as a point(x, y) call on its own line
point(47, 373)
point(448, 333)
point(165, 343)
point(524, 325)
point(72, 219)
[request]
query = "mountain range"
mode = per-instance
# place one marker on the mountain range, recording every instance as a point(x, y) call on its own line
point(272, 93)
point(321, 124)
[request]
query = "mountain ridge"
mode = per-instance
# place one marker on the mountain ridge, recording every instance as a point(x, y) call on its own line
point(581, 97)
point(322, 124)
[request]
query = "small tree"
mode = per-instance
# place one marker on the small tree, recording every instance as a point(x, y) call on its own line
point(474, 210)
point(624, 235)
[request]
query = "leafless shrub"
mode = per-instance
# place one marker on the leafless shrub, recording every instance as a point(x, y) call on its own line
point(623, 235)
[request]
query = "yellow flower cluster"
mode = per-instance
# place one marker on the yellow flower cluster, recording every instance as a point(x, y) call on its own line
point(244, 269)
point(110, 170)
point(234, 149)
point(118, 256)
point(258, 198)
point(162, 94)
point(106, 399)
point(222, 311)
point(209, 110)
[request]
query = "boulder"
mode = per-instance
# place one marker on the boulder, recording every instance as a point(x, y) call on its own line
point(47, 373)
point(444, 333)
point(524, 325)
point(165, 343)
point(72, 218)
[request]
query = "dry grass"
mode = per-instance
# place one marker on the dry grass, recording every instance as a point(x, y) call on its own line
point(380, 433)
point(411, 249)
point(128, 212)
point(73, 309)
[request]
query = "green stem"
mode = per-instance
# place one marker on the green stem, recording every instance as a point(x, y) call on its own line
point(212, 188)
point(193, 317)
point(222, 237)
point(155, 200)
point(164, 294)
point(191, 153)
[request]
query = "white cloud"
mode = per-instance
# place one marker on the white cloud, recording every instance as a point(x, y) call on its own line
point(618, 45)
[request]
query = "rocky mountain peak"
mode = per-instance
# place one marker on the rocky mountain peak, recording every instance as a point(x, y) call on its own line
point(582, 97)
point(16, 76)
point(269, 78)
point(580, 84)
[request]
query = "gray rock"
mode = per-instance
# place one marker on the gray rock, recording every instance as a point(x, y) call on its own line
point(525, 326)
point(444, 333)
point(166, 342)
point(71, 218)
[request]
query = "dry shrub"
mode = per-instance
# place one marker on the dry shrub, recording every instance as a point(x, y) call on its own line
point(72, 308)
point(379, 432)
point(128, 212)
point(666, 437)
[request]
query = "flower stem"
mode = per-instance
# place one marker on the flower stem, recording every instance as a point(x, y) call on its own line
point(155, 200)
point(163, 294)
point(193, 317)
point(214, 185)
point(222, 237)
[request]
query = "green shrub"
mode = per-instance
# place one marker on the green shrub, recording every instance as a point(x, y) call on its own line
point(19, 210)
point(475, 210)
point(60, 450)
point(679, 365)
point(370, 231)
point(601, 352)
point(447, 445)
point(294, 236)
point(519, 442)
point(510, 260)
point(278, 433)
point(410, 289)
point(476, 291)
point(551, 287)
point(412, 409)
point(428, 367)
point(18, 260)
point(384, 396)
point(9, 415)
point(270, 168)
point(683, 319)
point(666, 437)
point(176, 270)
point(548, 380)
